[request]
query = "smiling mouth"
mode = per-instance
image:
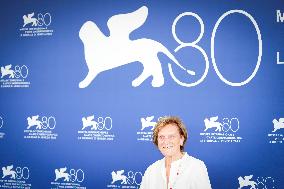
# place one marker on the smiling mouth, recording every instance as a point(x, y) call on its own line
point(167, 147)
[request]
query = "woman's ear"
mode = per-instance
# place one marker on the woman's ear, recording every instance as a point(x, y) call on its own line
point(181, 141)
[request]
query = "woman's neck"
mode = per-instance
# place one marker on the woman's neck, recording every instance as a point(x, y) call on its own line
point(170, 159)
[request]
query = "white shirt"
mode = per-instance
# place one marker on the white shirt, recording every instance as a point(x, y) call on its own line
point(185, 173)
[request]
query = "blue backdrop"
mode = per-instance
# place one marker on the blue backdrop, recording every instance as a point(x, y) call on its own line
point(54, 134)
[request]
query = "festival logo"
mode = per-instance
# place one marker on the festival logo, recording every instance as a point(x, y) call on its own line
point(35, 25)
point(276, 136)
point(122, 179)
point(103, 53)
point(224, 131)
point(258, 183)
point(96, 129)
point(146, 130)
point(15, 77)
point(72, 178)
point(1, 125)
point(40, 127)
point(15, 177)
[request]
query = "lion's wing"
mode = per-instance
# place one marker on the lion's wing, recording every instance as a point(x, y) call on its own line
point(122, 25)
point(62, 170)
point(8, 67)
point(150, 118)
point(248, 177)
point(281, 120)
point(120, 172)
point(214, 118)
point(10, 167)
point(31, 15)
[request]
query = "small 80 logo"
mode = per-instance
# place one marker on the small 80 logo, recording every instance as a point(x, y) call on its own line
point(132, 177)
point(74, 175)
point(40, 20)
point(19, 71)
point(226, 125)
point(18, 173)
point(259, 183)
point(101, 123)
point(43, 123)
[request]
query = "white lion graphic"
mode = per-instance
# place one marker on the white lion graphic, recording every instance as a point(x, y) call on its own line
point(60, 173)
point(33, 121)
point(89, 122)
point(6, 71)
point(103, 53)
point(147, 122)
point(28, 19)
point(247, 182)
point(8, 171)
point(278, 124)
point(212, 122)
point(118, 176)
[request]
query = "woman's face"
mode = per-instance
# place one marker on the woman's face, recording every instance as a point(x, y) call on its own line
point(169, 140)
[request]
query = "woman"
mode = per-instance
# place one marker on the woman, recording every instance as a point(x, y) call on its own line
point(177, 170)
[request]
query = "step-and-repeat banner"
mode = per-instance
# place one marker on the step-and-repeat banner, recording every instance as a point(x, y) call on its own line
point(84, 82)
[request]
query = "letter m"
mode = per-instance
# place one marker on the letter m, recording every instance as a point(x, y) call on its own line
point(280, 17)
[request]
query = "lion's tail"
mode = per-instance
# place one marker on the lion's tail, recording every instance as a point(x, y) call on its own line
point(164, 50)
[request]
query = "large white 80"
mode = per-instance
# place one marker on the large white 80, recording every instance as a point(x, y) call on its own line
point(194, 45)
point(21, 71)
point(230, 124)
point(104, 123)
point(77, 175)
point(44, 19)
point(48, 122)
point(265, 183)
point(22, 173)
point(134, 177)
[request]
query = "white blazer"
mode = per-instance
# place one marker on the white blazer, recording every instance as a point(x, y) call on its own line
point(185, 173)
